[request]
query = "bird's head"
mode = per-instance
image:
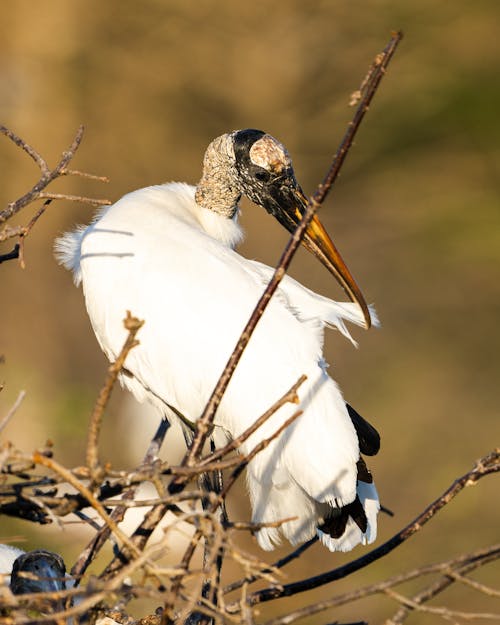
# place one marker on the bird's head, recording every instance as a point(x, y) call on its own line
point(253, 163)
point(38, 571)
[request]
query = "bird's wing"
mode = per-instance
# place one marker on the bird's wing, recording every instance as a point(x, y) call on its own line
point(314, 309)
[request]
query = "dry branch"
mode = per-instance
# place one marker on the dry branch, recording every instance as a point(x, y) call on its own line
point(132, 325)
point(156, 514)
point(463, 564)
point(38, 192)
point(13, 410)
point(487, 465)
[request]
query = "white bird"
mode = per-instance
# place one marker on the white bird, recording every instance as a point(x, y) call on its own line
point(166, 254)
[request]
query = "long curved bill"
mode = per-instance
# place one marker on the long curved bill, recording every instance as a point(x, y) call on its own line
point(317, 241)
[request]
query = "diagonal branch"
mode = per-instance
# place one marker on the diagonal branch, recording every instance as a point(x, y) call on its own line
point(485, 466)
point(206, 419)
point(452, 573)
point(455, 567)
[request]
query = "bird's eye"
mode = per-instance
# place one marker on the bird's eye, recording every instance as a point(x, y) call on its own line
point(262, 175)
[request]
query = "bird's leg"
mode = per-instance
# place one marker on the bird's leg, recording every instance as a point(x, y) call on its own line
point(156, 441)
point(100, 538)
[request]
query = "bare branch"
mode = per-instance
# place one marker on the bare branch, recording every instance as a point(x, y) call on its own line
point(68, 477)
point(289, 397)
point(37, 192)
point(296, 553)
point(42, 164)
point(440, 611)
point(94, 201)
point(13, 410)
point(454, 572)
point(133, 325)
point(47, 176)
point(464, 564)
point(98, 541)
point(485, 466)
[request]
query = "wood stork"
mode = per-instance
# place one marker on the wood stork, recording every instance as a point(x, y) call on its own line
point(166, 253)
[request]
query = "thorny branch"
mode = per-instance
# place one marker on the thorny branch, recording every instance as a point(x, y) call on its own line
point(37, 192)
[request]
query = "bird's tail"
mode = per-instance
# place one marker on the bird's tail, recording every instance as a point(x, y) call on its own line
point(335, 314)
point(355, 523)
point(67, 250)
point(298, 517)
point(314, 474)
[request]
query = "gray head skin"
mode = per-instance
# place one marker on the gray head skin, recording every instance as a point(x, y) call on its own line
point(38, 571)
point(252, 163)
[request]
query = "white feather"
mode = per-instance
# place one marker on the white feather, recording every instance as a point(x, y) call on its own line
point(8, 555)
point(157, 253)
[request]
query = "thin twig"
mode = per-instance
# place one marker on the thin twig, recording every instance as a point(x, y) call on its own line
point(42, 164)
point(154, 516)
point(256, 450)
point(68, 477)
point(95, 545)
point(27, 229)
point(83, 174)
point(289, 397)
point(94, 201)
point(38, 191)
point(168, 617)
point(13, 410)
point(296, 553)
point(454, 572)
point(463, 563)
point(439, 611)
point(47, 176)
point(485, 466)
point(132, 325)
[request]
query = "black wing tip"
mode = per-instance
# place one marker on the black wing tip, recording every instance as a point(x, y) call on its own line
point(368, 437)
point(335, 525)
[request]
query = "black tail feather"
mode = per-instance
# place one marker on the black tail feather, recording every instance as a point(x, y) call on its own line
point(369, 438)
point(335, 525)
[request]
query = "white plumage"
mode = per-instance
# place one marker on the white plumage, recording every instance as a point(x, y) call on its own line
point(32, 571)
point(166, 254)
point(8, 555)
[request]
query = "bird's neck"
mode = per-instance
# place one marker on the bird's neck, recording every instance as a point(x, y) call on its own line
point(216, 194)
point(217, 190)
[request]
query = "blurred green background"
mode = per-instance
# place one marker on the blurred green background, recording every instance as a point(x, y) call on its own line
point(415, 213)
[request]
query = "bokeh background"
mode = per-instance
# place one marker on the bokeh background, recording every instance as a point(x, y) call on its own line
point(415, 213)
